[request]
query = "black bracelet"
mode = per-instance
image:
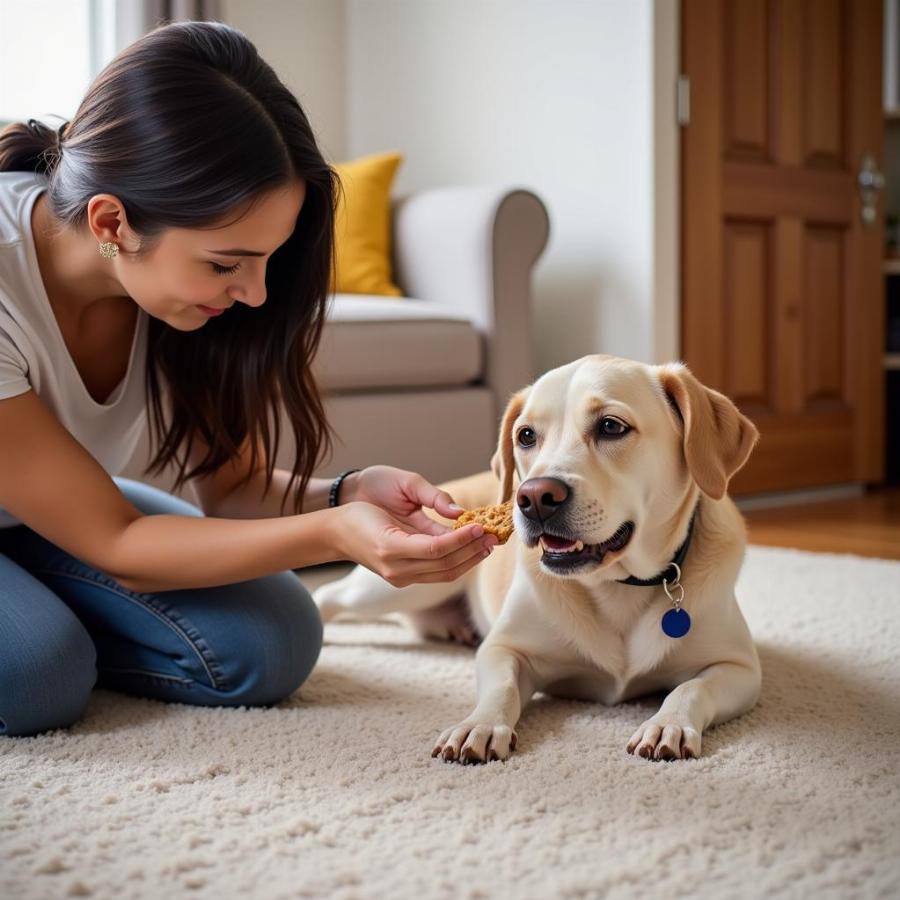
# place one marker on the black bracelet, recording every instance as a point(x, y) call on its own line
point(336, 486)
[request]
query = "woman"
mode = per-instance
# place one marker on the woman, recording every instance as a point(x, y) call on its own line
point(167, 255)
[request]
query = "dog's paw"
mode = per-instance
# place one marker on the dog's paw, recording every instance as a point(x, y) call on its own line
point(475, 742)
point(665, 737)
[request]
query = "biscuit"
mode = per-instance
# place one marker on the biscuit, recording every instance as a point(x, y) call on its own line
point(496, 520)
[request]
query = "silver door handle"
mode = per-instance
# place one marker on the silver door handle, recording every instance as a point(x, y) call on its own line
point(870, 181)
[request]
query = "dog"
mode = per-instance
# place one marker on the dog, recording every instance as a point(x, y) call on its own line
point(619, 472)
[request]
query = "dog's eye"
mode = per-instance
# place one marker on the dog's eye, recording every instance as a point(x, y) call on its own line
point(526, 438)
point(609, 427)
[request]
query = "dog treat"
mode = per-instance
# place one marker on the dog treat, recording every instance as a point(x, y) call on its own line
point(496, 520)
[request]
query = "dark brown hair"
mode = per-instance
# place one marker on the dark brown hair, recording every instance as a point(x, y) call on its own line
point(185, 126)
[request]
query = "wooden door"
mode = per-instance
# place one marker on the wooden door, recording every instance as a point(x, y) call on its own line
point(782, 303)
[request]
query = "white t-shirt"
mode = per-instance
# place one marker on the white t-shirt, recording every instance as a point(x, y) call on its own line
point(33, 354)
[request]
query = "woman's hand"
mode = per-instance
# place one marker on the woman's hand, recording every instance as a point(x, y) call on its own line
point(386, 530)
point(402, 494)
point(403, 555)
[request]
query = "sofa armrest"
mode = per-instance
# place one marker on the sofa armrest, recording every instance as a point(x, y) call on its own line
point(473, 248)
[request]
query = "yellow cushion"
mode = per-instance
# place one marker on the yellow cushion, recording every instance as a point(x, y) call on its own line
point(362, 231)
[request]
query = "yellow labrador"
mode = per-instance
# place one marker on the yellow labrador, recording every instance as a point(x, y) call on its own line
point(619, 578)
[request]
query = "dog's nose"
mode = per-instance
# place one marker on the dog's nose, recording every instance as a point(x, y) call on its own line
point(539, 498)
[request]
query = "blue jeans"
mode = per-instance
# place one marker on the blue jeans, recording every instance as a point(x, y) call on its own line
point(65, 626)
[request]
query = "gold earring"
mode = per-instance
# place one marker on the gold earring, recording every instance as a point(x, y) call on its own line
point(109, 249)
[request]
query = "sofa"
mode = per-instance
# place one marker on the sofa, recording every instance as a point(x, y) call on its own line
point(421, 381)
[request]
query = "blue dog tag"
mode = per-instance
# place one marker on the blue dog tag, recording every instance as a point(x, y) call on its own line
point(676, 623)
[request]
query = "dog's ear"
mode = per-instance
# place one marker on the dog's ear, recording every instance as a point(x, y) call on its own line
point(502, 462)
point(718, 438)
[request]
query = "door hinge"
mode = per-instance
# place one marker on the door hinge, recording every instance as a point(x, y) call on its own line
point(683, 100)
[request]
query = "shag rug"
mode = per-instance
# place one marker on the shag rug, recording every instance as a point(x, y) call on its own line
point(334, 793)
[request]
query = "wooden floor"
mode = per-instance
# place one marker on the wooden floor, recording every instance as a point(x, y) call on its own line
point(867, 526)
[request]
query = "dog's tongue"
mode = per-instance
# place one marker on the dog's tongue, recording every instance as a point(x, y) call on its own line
point(556, 543)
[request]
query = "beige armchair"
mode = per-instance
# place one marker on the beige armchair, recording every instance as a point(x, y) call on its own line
point(420, 381)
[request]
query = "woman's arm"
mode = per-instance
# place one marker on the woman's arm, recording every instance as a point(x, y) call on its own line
point(248, 501)
point(223, 494)
point(52, 484)
point(164, 552)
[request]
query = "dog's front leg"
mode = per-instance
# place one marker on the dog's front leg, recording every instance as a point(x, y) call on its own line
point(716, 694)
point(506, 682)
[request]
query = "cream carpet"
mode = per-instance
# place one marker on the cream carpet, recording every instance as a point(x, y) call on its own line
point(334, 793)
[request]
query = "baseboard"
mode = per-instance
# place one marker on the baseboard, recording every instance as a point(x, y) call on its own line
point(797, 498)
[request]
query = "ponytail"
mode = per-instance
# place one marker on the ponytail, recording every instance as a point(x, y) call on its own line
point(30, 146)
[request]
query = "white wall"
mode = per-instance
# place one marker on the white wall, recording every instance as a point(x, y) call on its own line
point(573, 99)
point(305, 43)
point(44, 71)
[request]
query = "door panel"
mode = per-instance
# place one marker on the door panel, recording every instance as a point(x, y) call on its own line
point(782, 308)
point(822, 344)
point(747, 271)
point(746, 78)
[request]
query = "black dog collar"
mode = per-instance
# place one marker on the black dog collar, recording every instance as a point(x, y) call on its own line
point(669, 572)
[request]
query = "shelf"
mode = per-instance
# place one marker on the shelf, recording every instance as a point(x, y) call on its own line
point(891, 266)
point(892, 361)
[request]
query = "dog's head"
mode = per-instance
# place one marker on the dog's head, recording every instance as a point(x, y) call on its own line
point(601, 456)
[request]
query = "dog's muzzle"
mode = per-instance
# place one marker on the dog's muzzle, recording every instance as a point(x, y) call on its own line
point(542, 501)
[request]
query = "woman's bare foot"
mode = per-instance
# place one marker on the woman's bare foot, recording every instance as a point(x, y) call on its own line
point(448, 621)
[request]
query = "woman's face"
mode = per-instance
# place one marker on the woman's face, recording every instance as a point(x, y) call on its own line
point(190, 273)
